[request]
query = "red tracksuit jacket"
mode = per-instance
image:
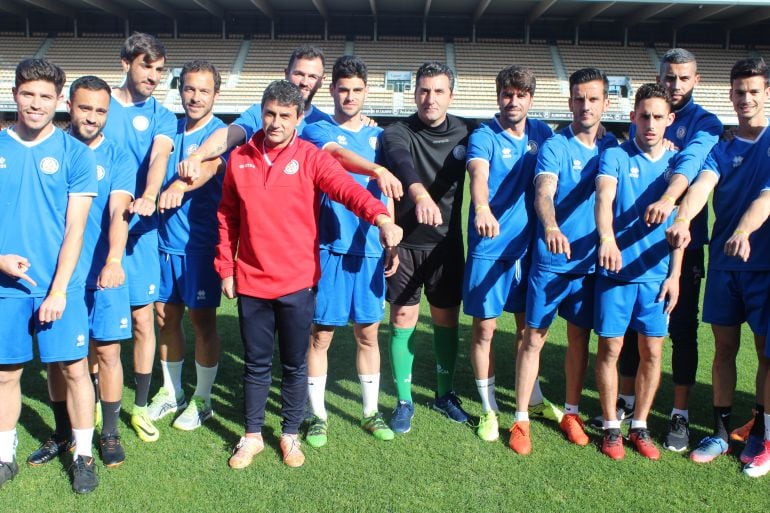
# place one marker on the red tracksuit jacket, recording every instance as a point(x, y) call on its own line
point(268, 215)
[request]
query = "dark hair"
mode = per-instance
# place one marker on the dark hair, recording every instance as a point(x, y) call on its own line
point(676, 56)
point(652, 90)
point(200, 66)
point(349, 66)
point(435, 68)
point(746, 68)
point(308, 52)
point(516, 77)
point(140, 43)
point(90, 83)
point(30, 70)
point(585, 75)
point(285, 93)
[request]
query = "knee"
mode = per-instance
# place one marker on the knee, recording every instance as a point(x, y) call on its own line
point(484, 331)
point(10, 375)
point(75, 371)
point(533, 340)
point(320, 341)
point(109, 357)
point(609, 351)
point(725, 352)
point(143, 322)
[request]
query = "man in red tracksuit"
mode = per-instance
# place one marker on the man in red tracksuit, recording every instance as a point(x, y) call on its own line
point(268, 215)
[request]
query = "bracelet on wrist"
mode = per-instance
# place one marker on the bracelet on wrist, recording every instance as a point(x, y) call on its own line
point(549, 229)
point(479, 208)
point(57, 293)
point(421, 197)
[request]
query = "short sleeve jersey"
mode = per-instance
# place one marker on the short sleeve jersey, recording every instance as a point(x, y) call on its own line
point(640, 181)
point(743, 168)
point(575, 166)
point(439, 155)
point(251, 119)
point(511, 192)
point(114, 174)
point(36, 181)
point(191, 229)
point(339, 230)
point(694, 131)
point(136, 126)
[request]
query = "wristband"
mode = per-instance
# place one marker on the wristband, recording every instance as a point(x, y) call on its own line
point(682, 219)
point(479, 208)
point(149, 198)
point(668, 198)
point(378, 170)
point(180, 185)
point(421, 197)
point(384, 221)
point(744, 233)
point(550, 229)
point(113, 260)
point(606, 238)
point(194, 155)
point(57, 293)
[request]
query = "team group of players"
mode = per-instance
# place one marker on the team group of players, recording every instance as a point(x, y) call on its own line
point(171, 214)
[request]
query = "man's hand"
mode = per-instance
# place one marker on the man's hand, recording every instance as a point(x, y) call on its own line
point(366, 120)
point(228, 287)
point(738, 245)
point(669, 145)
point(389, 184)
point(390, 233)
point(427, 211)
point(609, 254)
point(486, 224)
point(678, 234)
point(391, 262)
point(557, 242)
point(53, 306)
point(144, 206)
point(173, 195)
point(16, 266)
point(112, 275)
point(190, 168)
point(659, 211)
point(669, 293)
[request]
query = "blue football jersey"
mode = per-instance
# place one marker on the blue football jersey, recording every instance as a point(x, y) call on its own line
point(114, 174)
point(136, 126)
point(251, 119)
point(36, 181)
point(575, 166)
point(511, 191)
point(743, 168)
point(340, 231)
point(192, 228)
point(640, 181)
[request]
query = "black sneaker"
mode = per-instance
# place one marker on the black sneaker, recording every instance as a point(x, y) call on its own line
point(111, 450)
point(8, 471)
point(83, 474)
point(50, 449)
point(624, 413)
point(678, 436)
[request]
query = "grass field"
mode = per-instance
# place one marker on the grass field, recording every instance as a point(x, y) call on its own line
point(439, 466)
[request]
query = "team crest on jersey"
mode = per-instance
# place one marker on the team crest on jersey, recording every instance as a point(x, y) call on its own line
point(633, 172)
point(342, 140)
point(373, 142)
point(99, 173)
point(292, 167)
point(140, 123)
point(737, 160)
point(681, 132)
point(532, 147)
point(459, 152)
point(190, 149)
point(506, 153)
point(49, 165)
point(577, 165)
point(2, 163)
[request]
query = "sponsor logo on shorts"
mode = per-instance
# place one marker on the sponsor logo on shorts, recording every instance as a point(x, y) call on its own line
point(633, 172)
point(342, 140)
point(151, 289)
point(292, 167)
point(140, 123)
point(737, 160)
point(49, 165)
point(201, 295)
point(2, 163)
point(458, 152)
point(681, 132)
point(124, 323)
point(190, 149)
point(100, 173)
point(80, 341)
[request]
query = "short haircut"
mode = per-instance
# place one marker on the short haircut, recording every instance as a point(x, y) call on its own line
point(90, 83)
point(140, 43)
point(677, 56)
point(747, 68)
point(435, 68)
point(652, 90)
point(308, 52)
point(30, 70)
point(516, 77)
point(349, 66)
point(585, 75)
point(200, 66)
point(284, 93)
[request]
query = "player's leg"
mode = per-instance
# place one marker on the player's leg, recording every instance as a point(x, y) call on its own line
point(111, 394)
point(170, 397)
point(647, 381)
point(317, 371)
point(759, 465)
point(368, 367)
point(60, 440)
point(575, 366)
point(755, 439)
point(10, 410)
